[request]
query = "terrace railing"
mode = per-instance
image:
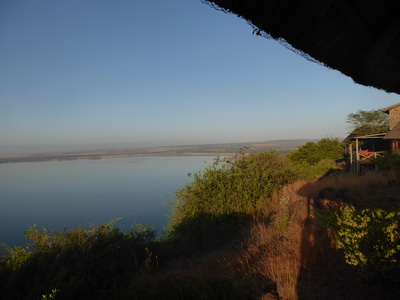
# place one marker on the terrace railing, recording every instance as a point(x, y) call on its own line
point(368, 155)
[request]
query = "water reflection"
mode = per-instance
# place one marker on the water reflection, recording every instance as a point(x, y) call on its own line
point(59, 194)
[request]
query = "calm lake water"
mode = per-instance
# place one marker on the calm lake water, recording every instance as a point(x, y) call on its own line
point(58, 194)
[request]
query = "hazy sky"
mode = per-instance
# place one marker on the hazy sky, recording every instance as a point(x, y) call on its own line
point(158, 73)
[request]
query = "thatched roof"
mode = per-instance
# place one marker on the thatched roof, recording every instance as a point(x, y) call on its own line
point(360, 38)
point(393, 134)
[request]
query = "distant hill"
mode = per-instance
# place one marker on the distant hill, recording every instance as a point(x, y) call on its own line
point(283, 146)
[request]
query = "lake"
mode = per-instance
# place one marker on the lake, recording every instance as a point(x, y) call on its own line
point(58, 194)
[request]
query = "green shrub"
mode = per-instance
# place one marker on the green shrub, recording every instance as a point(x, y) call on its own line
point(306, 171)
point(316, 159)
point(92, 263)
point(370, 239)
point(221, 198)
point(313, 152)
point(232, 186)
point(389, 162)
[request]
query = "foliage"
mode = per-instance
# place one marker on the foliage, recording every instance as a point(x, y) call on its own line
point(231, 186)
point(17, 256)
point(389, 162)
point(368, 122)
point(213, 207)
point(106, 263)
point(307, 171)
point(370, 239)
point(51, 296)
point(316, 159)
point(86, 264)
point(314, 152)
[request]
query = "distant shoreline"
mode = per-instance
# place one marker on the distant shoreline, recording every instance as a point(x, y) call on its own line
point(282, 146)
point(24, 159)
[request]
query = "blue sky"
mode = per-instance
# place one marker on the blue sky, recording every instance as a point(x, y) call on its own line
point(152, 73)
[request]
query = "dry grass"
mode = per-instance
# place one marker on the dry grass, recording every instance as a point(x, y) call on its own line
point(286, 251)
point(289, 246)
point(276, 250)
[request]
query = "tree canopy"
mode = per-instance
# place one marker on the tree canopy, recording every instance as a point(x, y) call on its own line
point(368, 122)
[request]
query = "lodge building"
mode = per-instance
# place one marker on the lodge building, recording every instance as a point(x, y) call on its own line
point(364, 149)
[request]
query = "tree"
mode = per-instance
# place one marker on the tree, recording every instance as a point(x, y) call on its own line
point(368, 122)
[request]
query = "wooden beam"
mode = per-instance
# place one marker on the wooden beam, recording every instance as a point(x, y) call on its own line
point(351, 153)
point(357, 158)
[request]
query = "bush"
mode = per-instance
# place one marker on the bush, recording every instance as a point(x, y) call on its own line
point(314, 152)
point(370, 239)
point(86, 264)
point(227, 192)
point(232, 186)
point(316, 159)
point(389, 162)
point(306, 171)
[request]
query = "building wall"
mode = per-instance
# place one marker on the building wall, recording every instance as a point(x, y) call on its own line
point(394, 115)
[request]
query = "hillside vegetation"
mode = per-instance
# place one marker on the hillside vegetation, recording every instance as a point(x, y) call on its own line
point(259, 226)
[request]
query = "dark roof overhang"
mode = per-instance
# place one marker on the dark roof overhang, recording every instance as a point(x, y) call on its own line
point(360, 38)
